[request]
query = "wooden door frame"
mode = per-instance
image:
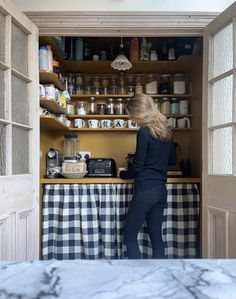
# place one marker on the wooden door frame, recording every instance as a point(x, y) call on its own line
point(121, 23)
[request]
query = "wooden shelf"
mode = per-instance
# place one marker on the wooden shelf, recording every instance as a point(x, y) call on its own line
point(103, 130)
point(47, 77)
point(100, 116)
point(105, 96)
point(51, 105)
point(112, 181)
point(49, 122)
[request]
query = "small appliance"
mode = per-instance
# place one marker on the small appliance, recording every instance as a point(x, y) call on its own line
point(53, 164)
point(101, 167)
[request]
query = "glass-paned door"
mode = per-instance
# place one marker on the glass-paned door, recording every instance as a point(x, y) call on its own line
point(219, 136)
point(19, 135)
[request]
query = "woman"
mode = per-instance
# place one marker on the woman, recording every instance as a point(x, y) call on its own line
point(149, 169)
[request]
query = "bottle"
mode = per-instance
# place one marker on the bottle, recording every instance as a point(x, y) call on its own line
point(179, 84)
point(50, 58)
point(87, 52)
point(165, 84)
point(134, 49)
point(79, 47)
point(43, 58)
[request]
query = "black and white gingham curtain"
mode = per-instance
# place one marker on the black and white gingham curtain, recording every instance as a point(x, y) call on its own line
point(86, 221)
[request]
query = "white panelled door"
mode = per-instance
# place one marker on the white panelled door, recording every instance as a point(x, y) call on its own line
point(19, 135)
point(219, 137)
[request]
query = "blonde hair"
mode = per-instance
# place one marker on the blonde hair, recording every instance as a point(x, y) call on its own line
point(141, 108)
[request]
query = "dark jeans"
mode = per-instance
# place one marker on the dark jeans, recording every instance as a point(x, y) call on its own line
point(146, 205)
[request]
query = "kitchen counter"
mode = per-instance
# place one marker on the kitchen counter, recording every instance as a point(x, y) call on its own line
point(105, 279)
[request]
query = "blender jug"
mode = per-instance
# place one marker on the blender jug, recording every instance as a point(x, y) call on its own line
point(71, 147)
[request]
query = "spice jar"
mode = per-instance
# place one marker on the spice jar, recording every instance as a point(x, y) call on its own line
point(165, 84)
point(179, 84)
point(96, 85)
point(110, 107)
point(92, 106)
point(119, 106)
point(151, 84)
point(174, 106)
point(165, 106)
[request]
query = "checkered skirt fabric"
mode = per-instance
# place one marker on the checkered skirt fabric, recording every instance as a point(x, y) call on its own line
point(86, 221)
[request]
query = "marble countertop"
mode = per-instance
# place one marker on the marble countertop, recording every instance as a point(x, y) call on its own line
point(102, 279)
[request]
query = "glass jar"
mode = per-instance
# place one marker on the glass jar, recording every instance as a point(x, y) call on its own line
point(165, 106)
point(104, 88)
point(82, 108)
point(119, 106)
point(110, 107)
point(174, 106)
point(138, 85)
point(92, 105)
point(121, 86)
point(157, 103)
point(130, 85)
point(113, 86)
point(101, 108)
point(151, 84)
point(87, 85)
point(179, 84)
point(165, 84)
point(96, 85)
point(79, 84)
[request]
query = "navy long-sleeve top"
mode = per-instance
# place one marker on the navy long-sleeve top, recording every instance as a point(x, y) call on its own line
point(149, 168)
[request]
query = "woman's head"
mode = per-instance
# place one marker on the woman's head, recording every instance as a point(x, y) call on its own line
point(141, 109)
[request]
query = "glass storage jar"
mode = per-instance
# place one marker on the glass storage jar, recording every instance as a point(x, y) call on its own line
point(165, 86)
point(119, 106)
point(165, 106)
point(130, 85)
point(101, 108)
point(96, 85)
point(157, 103)
point(92, 105)
point(104, 88)
point(179, 84)
point(113, 86)
point(82, 108)
point(151, 84)
point(110, 107)
point(87, 85)
point(138, 85)
point(174, 106)
point(79, 84)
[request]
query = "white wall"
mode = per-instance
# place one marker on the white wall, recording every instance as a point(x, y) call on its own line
point(123, 5)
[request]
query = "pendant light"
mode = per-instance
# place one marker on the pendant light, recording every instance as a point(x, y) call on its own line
point(121, 62)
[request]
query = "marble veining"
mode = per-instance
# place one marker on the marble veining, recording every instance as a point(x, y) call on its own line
point(119, 279)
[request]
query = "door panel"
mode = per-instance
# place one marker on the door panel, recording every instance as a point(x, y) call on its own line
point(219, 136)
point(19, 135)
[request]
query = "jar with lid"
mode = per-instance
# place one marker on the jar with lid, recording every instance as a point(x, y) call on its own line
point(138, 85)
point(110, 107)
point(87, 85)
point(71, 147)
point(81, 108)
point(174, 106)
point(101, 108)
point(96, 85)
point(165, 106)
point(121, 86)
point(113, 86)
point(104, 88)
point(92, 105)
point(157, 103)
point(151, 84)
point(79, 84)
point(119, 106)
point(165, 86)
point(130, 85)
point(179, 84)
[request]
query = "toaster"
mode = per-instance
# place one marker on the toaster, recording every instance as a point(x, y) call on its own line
point(101, 167)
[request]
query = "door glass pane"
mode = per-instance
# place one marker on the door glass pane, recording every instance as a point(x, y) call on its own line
point(19, 49)
point(20, 102)
point(20, 151)
point(222, 151)
point(2, 94)
point(223, 50)
point(2, 37)
point(222, 101)
point(2, 150)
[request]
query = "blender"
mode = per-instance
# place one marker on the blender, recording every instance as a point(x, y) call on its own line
point(72, 163)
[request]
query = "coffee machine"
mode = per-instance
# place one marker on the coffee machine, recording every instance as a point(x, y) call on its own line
point(53, 164)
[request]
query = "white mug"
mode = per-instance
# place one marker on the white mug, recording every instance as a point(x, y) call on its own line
point(79, 123)
point(107, 124)
point(183, 107)
point(41, 90)
point(70, 109)
point(50, 91)
point(119, 123)
point(62, 118)
point(94, 123)
point(132, 124)
point(43, 111)
point(171, 122)
point(183, 122)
